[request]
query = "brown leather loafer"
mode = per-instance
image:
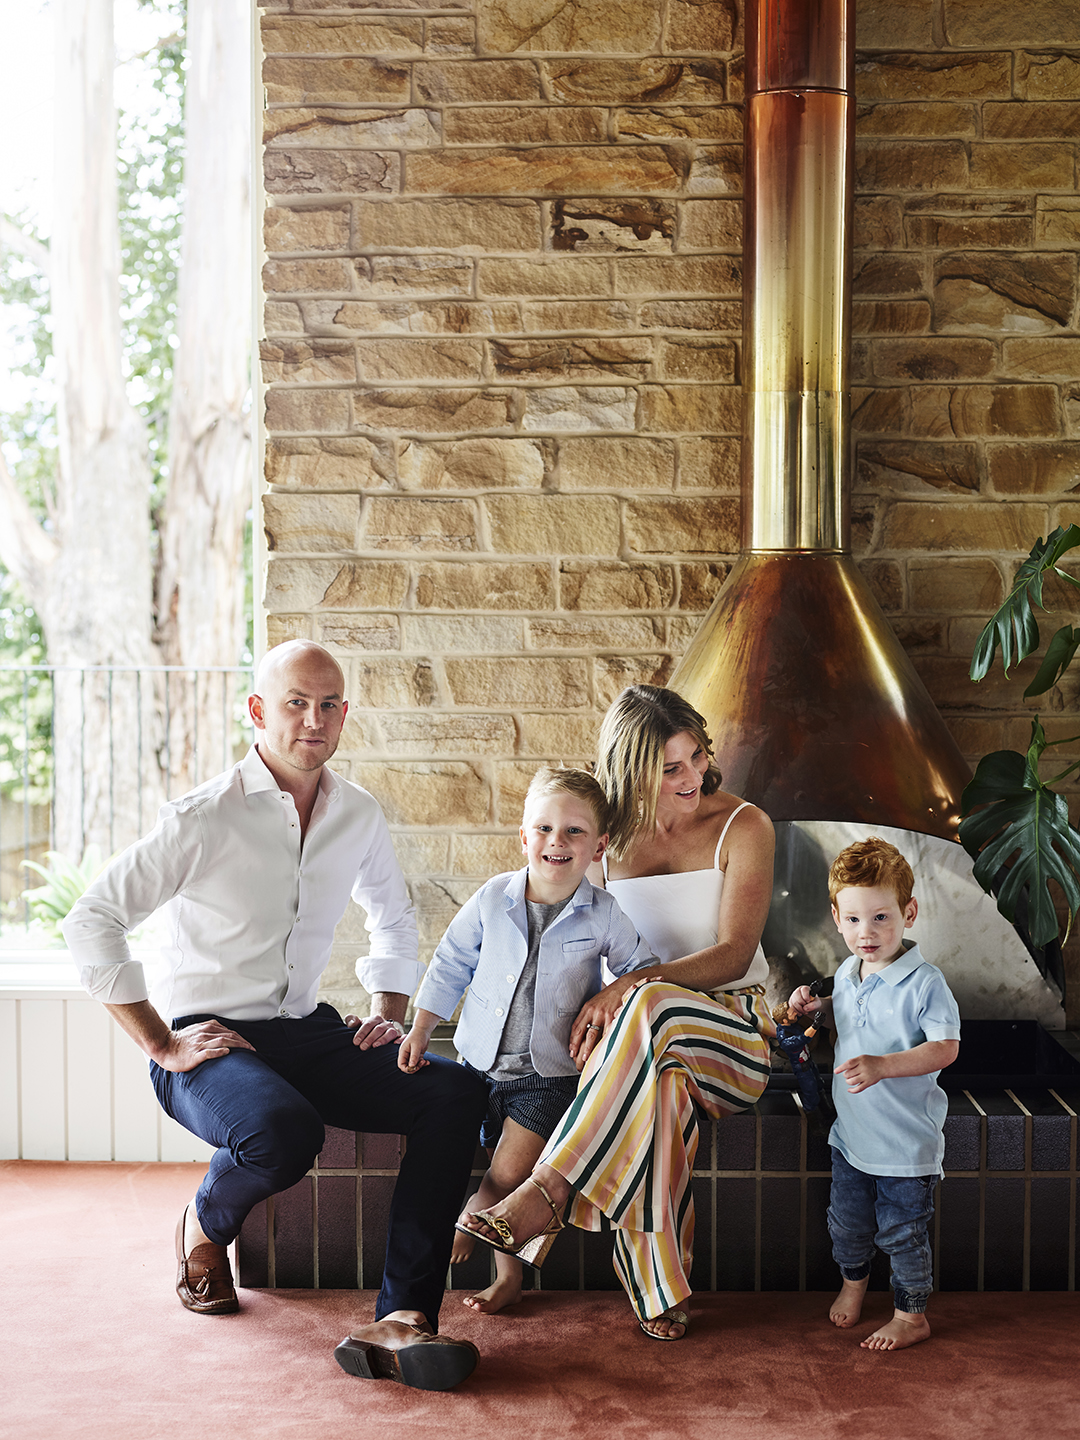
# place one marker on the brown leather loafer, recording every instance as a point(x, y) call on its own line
point(204, 1278)
point(410, 1354)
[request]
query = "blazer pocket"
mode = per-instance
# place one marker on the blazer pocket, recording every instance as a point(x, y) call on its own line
point(474, 999)
point(578, 947)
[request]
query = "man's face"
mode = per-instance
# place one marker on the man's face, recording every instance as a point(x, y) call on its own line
point(301, 711)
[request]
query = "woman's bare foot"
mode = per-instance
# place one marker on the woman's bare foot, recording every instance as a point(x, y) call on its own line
point(525, 1210)
point(901, 1331)
point(505, 1291)
point(847, 1307)
point(464, 1245)
point(665, 1327)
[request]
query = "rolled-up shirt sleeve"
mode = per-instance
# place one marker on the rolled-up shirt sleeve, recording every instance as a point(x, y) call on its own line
point(391, 963)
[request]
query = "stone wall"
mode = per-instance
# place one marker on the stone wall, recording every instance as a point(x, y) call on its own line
point(502, 365)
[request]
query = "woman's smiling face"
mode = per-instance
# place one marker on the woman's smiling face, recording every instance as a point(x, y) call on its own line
point(685, 762)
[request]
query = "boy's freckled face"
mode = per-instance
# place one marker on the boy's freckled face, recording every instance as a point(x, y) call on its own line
point(872, 922)
point(561, 839)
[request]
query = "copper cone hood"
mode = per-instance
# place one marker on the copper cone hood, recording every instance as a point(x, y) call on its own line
point(816, 711)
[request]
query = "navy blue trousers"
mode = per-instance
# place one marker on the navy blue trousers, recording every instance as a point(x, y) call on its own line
point(265, 1113)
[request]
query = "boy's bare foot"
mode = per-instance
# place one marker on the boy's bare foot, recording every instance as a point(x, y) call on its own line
point(464, 1245)
point(847, 1307)
point(901, 1331)
point(505, 1291)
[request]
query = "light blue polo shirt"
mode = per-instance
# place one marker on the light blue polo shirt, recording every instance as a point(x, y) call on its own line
point(896, 1126)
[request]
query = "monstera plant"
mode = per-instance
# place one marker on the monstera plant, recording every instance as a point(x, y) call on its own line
point(1015, 826)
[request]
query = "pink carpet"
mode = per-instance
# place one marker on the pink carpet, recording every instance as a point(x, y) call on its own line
point(96, 1345)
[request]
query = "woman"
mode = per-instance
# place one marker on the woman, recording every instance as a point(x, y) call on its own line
point(692, 867)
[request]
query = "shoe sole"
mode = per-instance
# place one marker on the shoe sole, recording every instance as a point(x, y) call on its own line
point(420, 1367)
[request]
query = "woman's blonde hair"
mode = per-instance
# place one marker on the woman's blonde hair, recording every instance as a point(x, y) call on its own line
point(630, 764)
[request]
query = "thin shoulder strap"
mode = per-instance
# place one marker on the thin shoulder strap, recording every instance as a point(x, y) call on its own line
point(723, 833)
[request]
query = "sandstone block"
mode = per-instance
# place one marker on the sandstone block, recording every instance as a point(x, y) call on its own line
point(338, 128)
point(1034, 469)
point(420, 854)
point(524, 125)
point(401, 361)
point(716, 170)
point(955, 586)
point(615, 586)
point(472, 634)
point(308, 524)
point(468, 82)
point(707, 464)
point(687, 526)
point(286, 228)
point(360, 632)
point(472, 225)
point(450, 36)
point(582, 407)
point(366, 585)
point(280, 628)
point(991, 232)
point(284, 276)
point(680, 122)
point(917, 165)
point(507, 682)
point(681, 630)
point(888, 275)
point(307, 362)
point(361, 732)
point(887, 583)
point(420, 525)
point(559, 276)
point(1038, 22)
point(340, 35)
point(886, 24)
point(446, 793)
point(561, 737)
point(283, 317)
point(699, 583)
point(709, 360)
point(708, 26)
point(946, 677)
point(908, 465)
point(294, 585)
point(989, 410)
point(934, 76)
point(962, 526)
point(392, 683)
point(879, 222)
point(682, 408)
point(512, 782)
point(321, 172)
point(615, 672)
point(709, 275)
point(890, 317)
point(1031, 119)
point(626, 26)
point(553, 524)
point(1047, 76)
point(410, 317)
point(561, 170)
point(443, 585)
point(1049, 357)
point(476, 464)
point(398, 275)
point(334, 80)
point(615, 463)
point(620, 633)
point(486, 855)
point(934, 358)
point(915, 121)
point(600, 226)
point(559, 315)
point(347, 464)
point(711, 225)
point(637, 82)
point(1057, 220)
point(571, 359)
point(1004, 292)
point(435, 736)
point(431, 411)
point(878, 412)
point(691, 315)
point(325, 410)
point(1034, 166)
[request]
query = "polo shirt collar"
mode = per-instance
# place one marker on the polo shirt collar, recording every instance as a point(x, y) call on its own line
point(899, 970)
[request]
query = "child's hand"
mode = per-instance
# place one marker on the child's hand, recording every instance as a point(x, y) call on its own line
point(410, 1056)
point(862, 1071)
point(802, 1002)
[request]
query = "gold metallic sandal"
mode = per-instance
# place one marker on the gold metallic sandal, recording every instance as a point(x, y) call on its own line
point(532, 1251)
point(677, 1317)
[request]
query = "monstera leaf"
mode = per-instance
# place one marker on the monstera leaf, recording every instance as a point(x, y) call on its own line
point(1013, 626)
point(1016, 827)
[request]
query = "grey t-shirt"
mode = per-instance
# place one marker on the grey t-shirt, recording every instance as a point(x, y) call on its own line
point(513, 1058)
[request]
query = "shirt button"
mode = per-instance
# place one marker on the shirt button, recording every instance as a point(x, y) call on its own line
point(509, 979)
point(498, 1010)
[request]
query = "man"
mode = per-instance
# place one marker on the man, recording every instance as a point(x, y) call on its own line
point(257, 867)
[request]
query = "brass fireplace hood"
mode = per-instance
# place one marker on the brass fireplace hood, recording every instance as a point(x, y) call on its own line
point(816, 711)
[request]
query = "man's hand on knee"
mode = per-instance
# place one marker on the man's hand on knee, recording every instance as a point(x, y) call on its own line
point(188, 1048)
point(375, 1031)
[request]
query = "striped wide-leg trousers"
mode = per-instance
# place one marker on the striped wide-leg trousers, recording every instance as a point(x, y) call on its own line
point(627, 1143)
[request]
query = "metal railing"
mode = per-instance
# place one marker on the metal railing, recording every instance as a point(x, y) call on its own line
point(89, 753)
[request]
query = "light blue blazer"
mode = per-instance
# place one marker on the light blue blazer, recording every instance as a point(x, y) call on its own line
point(485, 948)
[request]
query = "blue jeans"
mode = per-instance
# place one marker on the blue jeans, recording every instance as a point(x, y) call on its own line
point(265, 1113)
point(890, 1212)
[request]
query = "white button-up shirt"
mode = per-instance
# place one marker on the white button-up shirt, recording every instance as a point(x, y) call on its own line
point(251, 910)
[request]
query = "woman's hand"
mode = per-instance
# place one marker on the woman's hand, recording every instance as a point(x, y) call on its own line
point(596, 1015)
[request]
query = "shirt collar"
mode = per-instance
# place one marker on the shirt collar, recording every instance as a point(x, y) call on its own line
point(899, 970)
point(255, 776)
point(515, 890)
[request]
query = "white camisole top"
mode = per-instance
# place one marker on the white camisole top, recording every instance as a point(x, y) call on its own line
point(678, 914)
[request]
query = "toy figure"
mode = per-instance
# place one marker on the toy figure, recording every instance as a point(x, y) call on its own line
point(793, 1040)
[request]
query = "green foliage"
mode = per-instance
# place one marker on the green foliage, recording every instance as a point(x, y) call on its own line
point(1015, 826)
point(65, 882)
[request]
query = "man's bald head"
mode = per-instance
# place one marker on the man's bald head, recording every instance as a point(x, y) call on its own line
point(282, 656)
point(298, 706)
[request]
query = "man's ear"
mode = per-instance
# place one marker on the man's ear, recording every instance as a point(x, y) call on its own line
point(910, 912)
point(255, 710)
point(344, 708)
point(601, 846)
